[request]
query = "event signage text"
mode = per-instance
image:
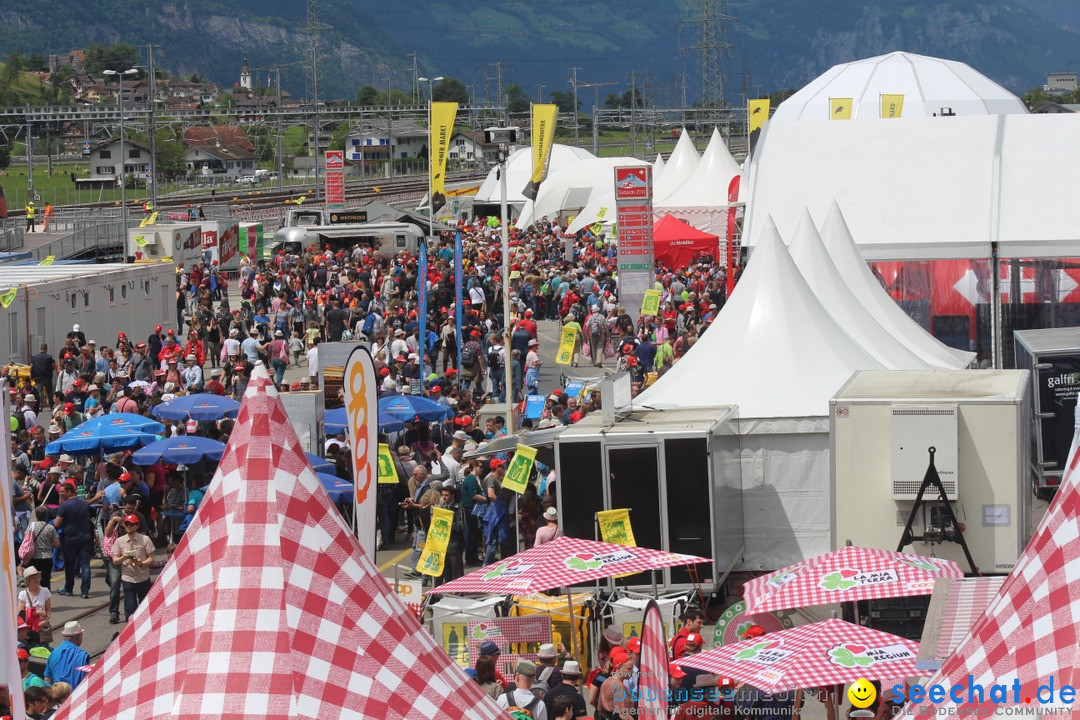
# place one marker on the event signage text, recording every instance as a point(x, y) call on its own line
point(634, 217)
point(335, 179)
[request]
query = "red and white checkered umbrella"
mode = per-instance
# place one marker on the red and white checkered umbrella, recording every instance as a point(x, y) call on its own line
point(846, 575)
point(830, 652)
point(269, 609)
point(562, 562)
point(1029, 636)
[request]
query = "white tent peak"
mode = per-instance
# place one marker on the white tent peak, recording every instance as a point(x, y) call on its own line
point(773, 350)
point(928, 84)
point(680, 165)
point(813, 261)
point(850, 264)
point(519, 171)
point(707, 185)
point(658, 166)
point(574, 186)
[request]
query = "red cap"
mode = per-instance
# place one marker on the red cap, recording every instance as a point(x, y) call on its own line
point(69, 408)
point(23, 655)
point(497, 462)
point(78, 383)
point(451, 371)
point(157, 328)
point(466, 419)
point(436, 389)
point(753, 631)
point(384, 371)
point(618, 657)
point(134, 519)
point(125, 476)
point(676, 671)
point(694, 639)
point(634, 645)
point(171, 332)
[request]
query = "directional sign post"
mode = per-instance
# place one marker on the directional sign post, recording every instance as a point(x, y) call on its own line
point(633, 201)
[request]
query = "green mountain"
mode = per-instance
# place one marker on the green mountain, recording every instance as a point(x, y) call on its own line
point(775, 43)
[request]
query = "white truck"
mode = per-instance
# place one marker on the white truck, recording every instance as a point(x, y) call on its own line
point(342, 229)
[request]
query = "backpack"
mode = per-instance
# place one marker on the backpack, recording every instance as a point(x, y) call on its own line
point(369, 324)
point(513, 707)
point(468, 355)
point(26, 548)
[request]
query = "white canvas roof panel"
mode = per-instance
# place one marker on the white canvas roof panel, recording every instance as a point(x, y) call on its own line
point(928, 85)
point(519, 171)
point(773, 350)
point(708, 185)
point(575, 185)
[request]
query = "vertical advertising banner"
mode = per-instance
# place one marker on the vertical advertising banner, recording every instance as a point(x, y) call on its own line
point(892, 106)
point(433, 558)
point(442, 127)
point(653, 671)
point(543, 135)
point(840, 108)
point(335, 179)
point(519, 470)
point(362, 410)
point(757, 112)
point(634, 218)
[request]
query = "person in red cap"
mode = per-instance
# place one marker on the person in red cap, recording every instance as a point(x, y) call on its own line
point(693, 621)
point(614, 699)
point(70, 417)
point(29, 679)
point(133, 552)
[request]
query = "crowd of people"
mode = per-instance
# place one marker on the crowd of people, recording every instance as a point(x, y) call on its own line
point(73, 508)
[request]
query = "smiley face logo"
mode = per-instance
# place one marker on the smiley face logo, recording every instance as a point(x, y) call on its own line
point(862, 693)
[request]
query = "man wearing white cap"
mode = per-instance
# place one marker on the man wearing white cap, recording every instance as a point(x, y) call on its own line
point(67, 657)
point(192, 375)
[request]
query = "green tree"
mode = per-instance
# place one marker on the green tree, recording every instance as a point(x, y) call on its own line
point(337, 139)
point(117, 57)
point(565, 100)
point(5, 155)
point(36, 62)
point(368, 95)
point(612, 101)
point(516, 100)
point(450, 90)
point(196, 78)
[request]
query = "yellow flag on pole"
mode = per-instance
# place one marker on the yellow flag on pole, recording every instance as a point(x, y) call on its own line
point(387, 469)
point(615, 527)
point(519, 470)
point(433, 558)
point(442, 127)
point(47, 261)
point(840, 108)
point(757, 112)
point(543, 135)
point(650, 304)
point(8, 297)
point(892, 106)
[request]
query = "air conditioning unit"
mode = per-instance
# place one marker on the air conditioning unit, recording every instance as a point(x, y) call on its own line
point(915, 429)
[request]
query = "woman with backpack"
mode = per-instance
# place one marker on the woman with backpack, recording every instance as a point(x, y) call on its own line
point(42, 537)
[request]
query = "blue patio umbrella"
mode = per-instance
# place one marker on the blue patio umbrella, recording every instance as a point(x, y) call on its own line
point(339, 490)
point(407, 407)
point(200, 406)
point(107, 433)
point(334, 422)
point(321, 465)
point(186, 449)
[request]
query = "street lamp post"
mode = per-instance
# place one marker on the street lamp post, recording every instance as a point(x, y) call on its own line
point(123, 159)
point(504, 137)
point(431, 208)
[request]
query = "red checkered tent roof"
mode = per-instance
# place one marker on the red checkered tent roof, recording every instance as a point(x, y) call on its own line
point(845, 575)
point(562, 562)
point(1031, 629)
point(830, 652)
point(270, 609)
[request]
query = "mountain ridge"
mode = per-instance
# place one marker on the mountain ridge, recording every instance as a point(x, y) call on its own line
point(777, 43)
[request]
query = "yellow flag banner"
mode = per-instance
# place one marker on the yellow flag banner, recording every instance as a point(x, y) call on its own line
point(615, 527)
point(567, 341)
point(387, 469)
point(601, 213)
point(543, 134)
point(438, 537)
point(442, 127)
point(152, 219)
point(757, 112)
point(840, 108)
point(520, 469)
point(140, 240)
point(142, 223)
point(8, 297)
point(650, 304)
point(47, 261)
point(892, 106)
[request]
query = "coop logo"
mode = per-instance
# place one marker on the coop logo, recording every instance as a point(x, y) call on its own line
point(763, 653)
point(923, 565)
point(855, 655)
point(592, 561)
point(848, 578)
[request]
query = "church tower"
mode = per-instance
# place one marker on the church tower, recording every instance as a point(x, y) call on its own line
point(245, 76)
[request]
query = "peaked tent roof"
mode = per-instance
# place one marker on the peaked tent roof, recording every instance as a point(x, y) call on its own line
point(658, 166)
point(851, 266)
point(773, 349)
point(832, 290)
point(574, 185)
point(675, 243)
point(928, 85)
point(1031, 629)
point(681, 164)
point(519, 170)
point(270, 609)
point(708, 185)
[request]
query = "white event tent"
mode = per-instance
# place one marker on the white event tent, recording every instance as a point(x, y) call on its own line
point(776, 352)
point(929, 86)
point(519, 172)
point(702, 198)
point(573, 186)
